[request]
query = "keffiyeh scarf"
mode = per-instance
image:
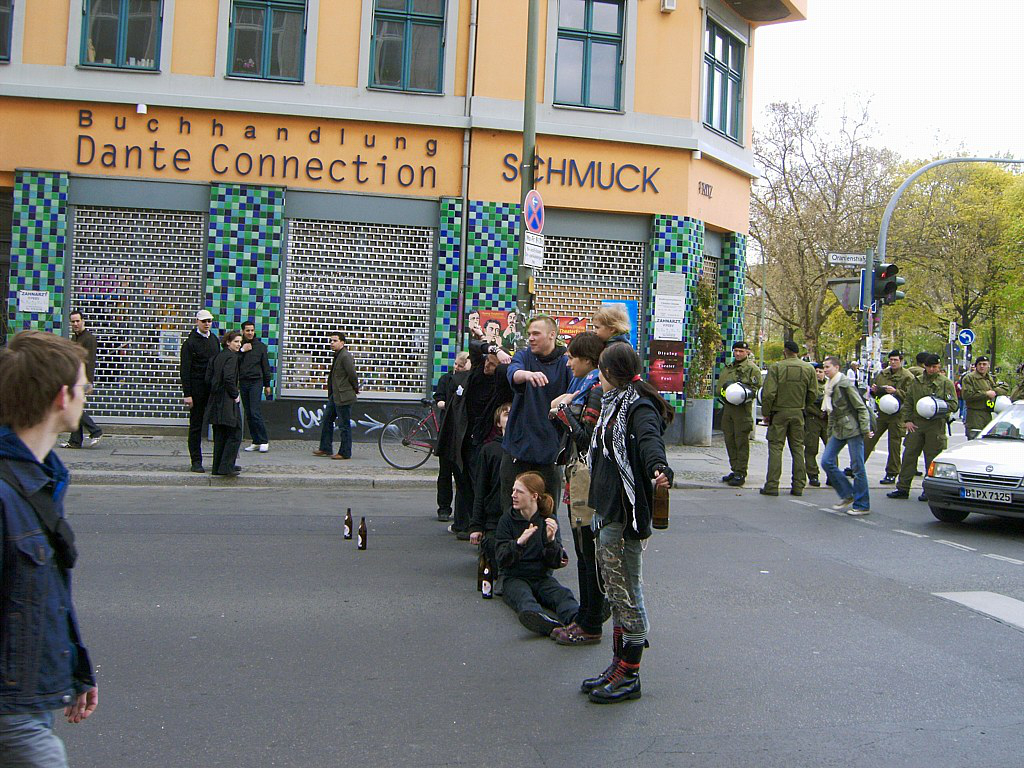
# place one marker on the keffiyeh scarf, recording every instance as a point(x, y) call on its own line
point(614, 413)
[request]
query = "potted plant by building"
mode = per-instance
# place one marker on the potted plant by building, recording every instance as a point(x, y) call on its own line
point(707, 338)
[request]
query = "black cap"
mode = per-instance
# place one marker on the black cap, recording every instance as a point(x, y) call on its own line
point(922, 356)
point(896, 353)
point(740, 345)
point(931, 359)
point(981, 359)
point(791, 346)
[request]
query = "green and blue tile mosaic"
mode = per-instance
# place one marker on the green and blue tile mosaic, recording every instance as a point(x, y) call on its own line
point(449, 267)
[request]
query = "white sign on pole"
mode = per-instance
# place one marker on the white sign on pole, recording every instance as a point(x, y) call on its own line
point(33, 301)
point(847, 259)
point(952, 331)
point(670, 284)
point(534, 255)
point(669, 314)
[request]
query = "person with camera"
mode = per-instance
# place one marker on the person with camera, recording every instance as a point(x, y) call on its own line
point(528, 548)
point(43, 662)
point(627, 462)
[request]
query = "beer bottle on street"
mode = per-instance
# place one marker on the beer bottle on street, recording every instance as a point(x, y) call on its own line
point(361, 535)
point(481, 564)
point(659, 515)
point(348, 523)
point(487, 581)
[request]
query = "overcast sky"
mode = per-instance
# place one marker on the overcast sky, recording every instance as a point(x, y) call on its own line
point(940, 75)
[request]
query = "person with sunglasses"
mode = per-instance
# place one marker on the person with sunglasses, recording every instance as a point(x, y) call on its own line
point(198, 349)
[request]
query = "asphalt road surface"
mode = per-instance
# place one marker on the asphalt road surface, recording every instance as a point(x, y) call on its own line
point(237, 628)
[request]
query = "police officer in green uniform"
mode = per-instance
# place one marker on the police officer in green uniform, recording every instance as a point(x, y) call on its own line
point(928, 435)
point(789, 389)
point(893, 380)
point(980, 390)
point(917, 370)
point(815, 428)
point(738, 420)
point(1018, 393)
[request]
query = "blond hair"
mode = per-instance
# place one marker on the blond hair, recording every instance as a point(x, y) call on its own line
point(613, 316)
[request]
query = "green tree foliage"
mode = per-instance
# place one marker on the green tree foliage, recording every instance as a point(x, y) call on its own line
point(708, 332)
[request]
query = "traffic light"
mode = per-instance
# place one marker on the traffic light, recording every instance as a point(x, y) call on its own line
point(886, 285)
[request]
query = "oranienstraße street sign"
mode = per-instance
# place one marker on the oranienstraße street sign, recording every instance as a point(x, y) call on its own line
point(854, 260)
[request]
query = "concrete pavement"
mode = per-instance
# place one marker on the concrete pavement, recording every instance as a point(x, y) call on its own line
point(140, 459)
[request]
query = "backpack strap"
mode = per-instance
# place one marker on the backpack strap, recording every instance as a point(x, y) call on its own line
point(58, 530)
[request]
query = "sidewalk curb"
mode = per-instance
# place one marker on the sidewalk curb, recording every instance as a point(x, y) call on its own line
point(188, 479)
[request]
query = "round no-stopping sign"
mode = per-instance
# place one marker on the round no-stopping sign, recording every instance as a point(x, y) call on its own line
point(533, 212)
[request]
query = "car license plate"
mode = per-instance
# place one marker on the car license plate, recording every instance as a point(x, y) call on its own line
point(979, 494)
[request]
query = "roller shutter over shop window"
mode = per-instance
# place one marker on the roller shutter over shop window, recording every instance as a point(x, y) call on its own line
point(580, 273)
point(373, 282)
point(138, 278)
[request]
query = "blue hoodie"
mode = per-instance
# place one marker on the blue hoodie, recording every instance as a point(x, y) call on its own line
point(531, 436)
point(43, 663)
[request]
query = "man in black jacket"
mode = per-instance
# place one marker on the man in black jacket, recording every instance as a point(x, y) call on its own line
point(198, 349)
point(443, 392)
point(85, 339)
point(254, 376)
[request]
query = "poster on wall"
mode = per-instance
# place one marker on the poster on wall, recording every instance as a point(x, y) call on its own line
point(496, 326)
point(667, 365)
point(632, 308)
point(33, 301)
point(570, 326)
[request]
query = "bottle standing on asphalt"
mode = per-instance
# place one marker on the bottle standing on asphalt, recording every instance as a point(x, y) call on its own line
point(486, 581)
point(361, 540)
point(348, 523)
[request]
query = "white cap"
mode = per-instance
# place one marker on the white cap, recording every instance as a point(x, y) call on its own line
point(204, 314)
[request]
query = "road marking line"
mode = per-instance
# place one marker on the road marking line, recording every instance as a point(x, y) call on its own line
point(866, 522)
point(954, 545)
point(911, 533)
point(828, 509)
point(803, 503)
point(1003, 559)
point(999, 607)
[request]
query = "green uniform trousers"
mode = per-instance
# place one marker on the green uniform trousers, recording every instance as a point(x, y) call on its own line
point(787, 425)
point(815, 431)
point(737, 424)
point(976, 420)
point(931, 440)
point(890, 423)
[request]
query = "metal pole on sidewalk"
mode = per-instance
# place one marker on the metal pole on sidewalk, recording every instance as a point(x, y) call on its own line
point(527, 166)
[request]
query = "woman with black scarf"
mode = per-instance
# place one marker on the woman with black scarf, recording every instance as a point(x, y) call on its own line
point(627, 461)
point(224, 410)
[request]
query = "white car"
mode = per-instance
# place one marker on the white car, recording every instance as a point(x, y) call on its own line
point(983, 475)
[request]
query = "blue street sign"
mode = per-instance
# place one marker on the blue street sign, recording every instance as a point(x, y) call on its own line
point(966, 337)
point(533, 212)
point(866, 284)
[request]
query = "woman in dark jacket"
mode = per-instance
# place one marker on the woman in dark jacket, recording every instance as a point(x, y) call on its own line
point(627, 461)
point(224, 411)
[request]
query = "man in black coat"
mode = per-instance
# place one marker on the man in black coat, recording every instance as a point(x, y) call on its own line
point(253, 382)
point(443, 392)
point(198, 349)
point(84, 338)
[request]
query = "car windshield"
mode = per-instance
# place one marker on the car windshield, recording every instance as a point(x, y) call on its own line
point(1008, 425)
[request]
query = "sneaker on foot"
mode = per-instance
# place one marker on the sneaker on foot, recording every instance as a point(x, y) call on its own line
point(841, 505)
point(250, 448)
point(854, 512)
point(264, 447)
point(94, 439)
point(69, 444)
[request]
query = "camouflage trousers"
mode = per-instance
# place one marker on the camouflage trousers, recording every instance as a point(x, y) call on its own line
point(622, 570)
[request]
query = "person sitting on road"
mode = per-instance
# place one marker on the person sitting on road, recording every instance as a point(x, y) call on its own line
point(488, 504)
point(528, 547)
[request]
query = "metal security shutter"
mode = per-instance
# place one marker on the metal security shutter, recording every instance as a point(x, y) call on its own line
point(374, 282)
point(579, 274)
point(138, 278)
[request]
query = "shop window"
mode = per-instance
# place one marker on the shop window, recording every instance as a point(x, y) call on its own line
point(588, 59)
point(121, 33)
point(267, 39)
point(407, 49)
point(723, 82)
point(6, 15)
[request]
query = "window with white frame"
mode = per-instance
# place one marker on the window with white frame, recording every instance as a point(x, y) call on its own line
point(723, 82)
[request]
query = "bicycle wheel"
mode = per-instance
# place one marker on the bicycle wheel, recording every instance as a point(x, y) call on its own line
point(406, 442)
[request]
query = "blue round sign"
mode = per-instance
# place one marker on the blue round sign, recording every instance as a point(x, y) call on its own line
point(966, 337)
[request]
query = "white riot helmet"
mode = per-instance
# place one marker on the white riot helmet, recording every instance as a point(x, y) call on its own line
point(889, 404)
point(1001, 404)
point(931, 407)
point(738, 394)
point(759, 392)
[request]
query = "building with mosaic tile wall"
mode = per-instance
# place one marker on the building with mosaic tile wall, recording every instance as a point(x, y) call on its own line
point(312, 186)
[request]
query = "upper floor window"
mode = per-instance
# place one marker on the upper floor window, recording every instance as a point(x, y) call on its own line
point(723, 82)
point(267, 39)
point(121, 33)
point(588, 60)
point(407, 49)
point(6, 16)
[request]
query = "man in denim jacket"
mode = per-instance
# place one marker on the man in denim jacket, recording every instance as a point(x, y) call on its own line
point(43, 664)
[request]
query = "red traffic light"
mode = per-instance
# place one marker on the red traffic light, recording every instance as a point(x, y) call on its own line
point(886, 271)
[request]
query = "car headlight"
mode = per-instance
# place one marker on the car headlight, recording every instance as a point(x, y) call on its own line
point(943, 471)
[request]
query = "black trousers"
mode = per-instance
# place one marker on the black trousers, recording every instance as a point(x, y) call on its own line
point(87, 423)
point(196, 417)
point(445, 476)
point(464, 494)
point(226, 442)
point(538, 593)
point(591, 615)
point(511, 468)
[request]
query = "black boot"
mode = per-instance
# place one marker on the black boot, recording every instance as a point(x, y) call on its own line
point(737, 481)
point(728, 477)
point(624, 682)
point(593, 682)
